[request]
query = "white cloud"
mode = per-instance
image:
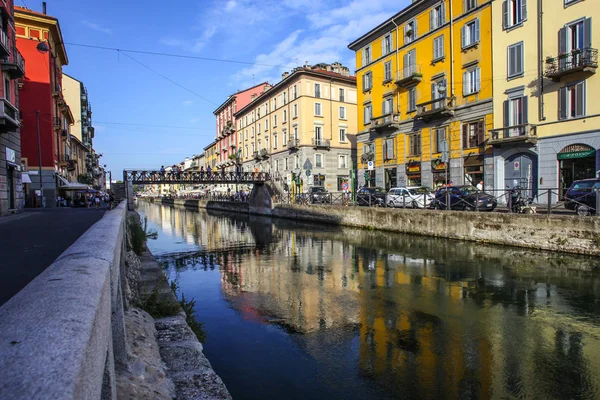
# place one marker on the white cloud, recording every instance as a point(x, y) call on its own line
point(188, 102)
point(97, 27)
point(230, 5)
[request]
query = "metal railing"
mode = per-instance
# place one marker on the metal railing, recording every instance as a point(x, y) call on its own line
point(174, 177)
point(513, 133)
point(321, 142)
point(435, 107)
point(293, 143)
point(574, 61)
point(385, 120)
point(409, 75)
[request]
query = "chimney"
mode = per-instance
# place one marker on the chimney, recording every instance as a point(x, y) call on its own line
point(44, 7)
point(284, 75)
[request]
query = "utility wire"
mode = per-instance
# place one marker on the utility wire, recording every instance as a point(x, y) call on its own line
point(168, 79)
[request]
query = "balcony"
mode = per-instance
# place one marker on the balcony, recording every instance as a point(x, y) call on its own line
point(366, 157)
point(264, 153)
point(524, 133)
point(14, 65)
point(64, 160)
point(4, 44)
point(437, 108)
point(293, 144)
point(582, 60)
point(321, 143)
point(84, 97)
point(9, 117)
point(57, 90)
point(256, 155)
point(57, 123)
point(408, 76)
point(388, 121)
point(227, 129)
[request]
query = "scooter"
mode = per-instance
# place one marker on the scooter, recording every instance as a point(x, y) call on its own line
point(518, 203)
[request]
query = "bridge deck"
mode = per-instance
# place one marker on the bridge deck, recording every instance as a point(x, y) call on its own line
point(194, 177)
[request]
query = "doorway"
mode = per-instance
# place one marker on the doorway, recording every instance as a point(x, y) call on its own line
point(577, 161)
point(10, 185)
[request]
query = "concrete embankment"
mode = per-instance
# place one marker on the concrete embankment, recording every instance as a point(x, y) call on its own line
point(563, 233)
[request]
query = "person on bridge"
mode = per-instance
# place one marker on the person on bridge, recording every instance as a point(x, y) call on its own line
point(162, 170)
point(208, 170)
point(202, 172)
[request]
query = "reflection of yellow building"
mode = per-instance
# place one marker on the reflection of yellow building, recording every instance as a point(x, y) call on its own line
point(424, 77)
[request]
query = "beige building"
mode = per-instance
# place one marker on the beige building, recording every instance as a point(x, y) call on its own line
point(304, 125)
point(547, 124)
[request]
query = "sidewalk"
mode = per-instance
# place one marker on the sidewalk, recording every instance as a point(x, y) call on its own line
point(32, 240)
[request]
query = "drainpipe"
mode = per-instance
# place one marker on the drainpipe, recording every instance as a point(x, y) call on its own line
point(540, 44)
point(451, 51)
point(331, 111)
point(397, 64)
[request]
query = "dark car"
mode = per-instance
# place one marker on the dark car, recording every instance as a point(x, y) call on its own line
point(370, 196)
point(464, 197)
point(581, 196)
point(318, 194)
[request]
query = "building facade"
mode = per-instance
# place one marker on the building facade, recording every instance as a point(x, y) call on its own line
point(13, 70)
point(547, 125)
point(425, 86)
point(42, 105)
point(304, 126)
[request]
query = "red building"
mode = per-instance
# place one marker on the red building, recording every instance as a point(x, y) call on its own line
point(42, 105)
point(13, 69)
point(226, 137)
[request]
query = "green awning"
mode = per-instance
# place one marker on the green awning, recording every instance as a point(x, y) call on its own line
point(576, 154)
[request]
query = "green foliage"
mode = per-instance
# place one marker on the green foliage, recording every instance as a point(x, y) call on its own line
point(137, 235)
point(159, 307)
point(190, 318)
point(86, 179)
point(596, 240)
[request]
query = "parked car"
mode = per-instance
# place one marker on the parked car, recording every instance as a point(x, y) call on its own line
point(464, 197)
point(581, 196)
point(410, 196)
point(318, 194)
point(371, 196)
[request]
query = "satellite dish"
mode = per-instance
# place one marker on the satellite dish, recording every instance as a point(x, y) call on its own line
point(43, 47)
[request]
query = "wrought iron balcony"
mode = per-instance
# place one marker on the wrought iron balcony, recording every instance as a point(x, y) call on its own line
point(64, 159)
point(4, 44)
point(366, 157)
point(388, 121)
point(437, 108)
point(293, 144)
point(409, 76)
point(227, 129)
point(9, 117)
point(14, 65)
point(321, 143)
point(264, 153)
point(256, 155)
point(581, 60)
point(513, 134)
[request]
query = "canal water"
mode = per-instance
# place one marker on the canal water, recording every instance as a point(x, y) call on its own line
point(304, 311)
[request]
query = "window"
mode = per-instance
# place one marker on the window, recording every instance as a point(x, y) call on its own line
point(469, 5)
point(342, 112)
point(253, 131)
point(284, 98)
point(275, 141)
point(342, 135)
point(266, 124)
point(343, 161)
point(285, 162)
point(246, 150)
point(473, 134)
point(386, 45)
point(318, 134)
point(296, 161)
point(276, 165)
point(259, 129)
point(274, 120)
point(387, 71)
point(319, 160)
point(318, 109)
point(317, 90)
point(574, 44)
point(366, 55)
point(367, 81)
point(258, 112)
point(414, 144)
point(438, 48)
point(7, 90)
point(342, 95)
point(388, 149)
point(369, 148)
point(284, 116)
point(437, 16)
point(410, 66)
point(246, 134)
point(438, 92)
point(253, 151)
point(470, 33)
point(367, 114)
point(515, 60)
point(515, 115)
point(295, 110)
point(410, 31)
point(572, 101)
point(275, 103)
point(438, 136)
point(514, 12)
point(387, 106)
point(295, 132)
point(471, 81)
point(412, 99)
point(294, 92)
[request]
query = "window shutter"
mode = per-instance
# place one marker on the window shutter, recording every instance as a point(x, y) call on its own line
point(505, 14)
point(415, 30)
point(443, 13)
point(405, 64)
point(580, 98)
point(463, 31)
point(587, 33)
point(523, 10)
point(465, 83)
point(433, 91)
point(476, 39)
point(383, 46)
point(525, 116)
point(478, 79)
point(562, 103)
point(406, 40)
point(465, 136)
point(432, 19)
point(506, 113)
point(480, 132)
point(562, 47)
point(363, 58)
point(520, 53)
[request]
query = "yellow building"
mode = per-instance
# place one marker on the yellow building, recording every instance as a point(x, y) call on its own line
point(425, 79)
point(305, 124)
point(211, 155)
point(547, 125)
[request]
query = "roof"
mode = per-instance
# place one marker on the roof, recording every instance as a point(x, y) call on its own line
point(211, 144)
point(232, 96)
point(295, 74)
point(54, 25)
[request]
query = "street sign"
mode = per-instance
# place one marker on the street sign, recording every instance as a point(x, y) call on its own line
point(308, 172)
point(370, 165)
point(345, 186)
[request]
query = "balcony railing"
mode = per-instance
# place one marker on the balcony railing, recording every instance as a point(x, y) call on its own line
point(4, 44)
point(14, 65)
point(513, 134)
point(437, 108)
point(321, 143)
point(264, 153)
point(581, 60)
point(388, 121)
point(409, 75)
point(256, 155)
point(293, 144)
point(9, 115)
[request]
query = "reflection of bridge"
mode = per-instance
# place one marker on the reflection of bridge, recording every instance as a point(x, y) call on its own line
point(193, 177)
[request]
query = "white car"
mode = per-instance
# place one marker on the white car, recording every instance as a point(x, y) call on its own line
point(410, 196)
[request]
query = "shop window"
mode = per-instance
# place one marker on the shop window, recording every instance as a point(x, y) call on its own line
point(319, 180)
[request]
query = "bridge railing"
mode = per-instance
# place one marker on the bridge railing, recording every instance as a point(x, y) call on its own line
point(174, 177)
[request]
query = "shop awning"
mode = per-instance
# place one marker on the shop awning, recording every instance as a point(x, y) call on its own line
point(25, 178)
point(473, 160)
point(66, 185)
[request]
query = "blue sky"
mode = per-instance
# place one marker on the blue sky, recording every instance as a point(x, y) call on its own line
point(181, 123)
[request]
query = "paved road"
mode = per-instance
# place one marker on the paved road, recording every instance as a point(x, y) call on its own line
point(31, 241)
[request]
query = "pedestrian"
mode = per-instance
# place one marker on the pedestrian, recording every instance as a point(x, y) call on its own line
point(111, 198)
point(208, 170)
point(97, 200)
point(480, 186)
point(58, 201)
point(202, 172)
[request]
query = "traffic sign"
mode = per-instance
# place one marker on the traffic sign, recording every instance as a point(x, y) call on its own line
point(370, 165)
point(345, 186)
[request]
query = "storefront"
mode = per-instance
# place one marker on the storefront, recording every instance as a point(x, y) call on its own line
point(576, 161)
point(391, 177)
point(473, 169)
point(520, 170)
point(440, 173)
point(413, 173)
point(319, 180)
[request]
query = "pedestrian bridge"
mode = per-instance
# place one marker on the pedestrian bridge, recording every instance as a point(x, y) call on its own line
point(193, 177)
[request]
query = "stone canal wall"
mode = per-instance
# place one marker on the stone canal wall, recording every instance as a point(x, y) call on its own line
point(563, 233)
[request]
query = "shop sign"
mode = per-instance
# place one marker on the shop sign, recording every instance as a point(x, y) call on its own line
point(413, 167)
point(370, 166)
point(576, 154)
point(11, 155)
point(438, 165)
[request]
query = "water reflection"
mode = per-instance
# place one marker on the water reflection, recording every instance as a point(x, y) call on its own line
point(416, 317)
